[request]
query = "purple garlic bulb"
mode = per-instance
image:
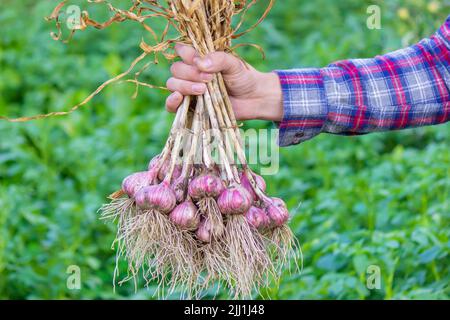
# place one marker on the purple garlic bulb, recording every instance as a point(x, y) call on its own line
point(257, 218)
point(159, 197)
point(153, 162)
point(205, 185)
point(164, 171)
point(234, 200)
point(179, 187)
point(247, 185)
point(185, 216)
point(133, 183)
point(203, 232)
point(277, 212)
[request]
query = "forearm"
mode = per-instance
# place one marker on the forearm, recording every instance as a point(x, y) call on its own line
point(403, 89)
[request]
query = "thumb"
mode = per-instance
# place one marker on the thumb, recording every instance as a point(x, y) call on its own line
point(219, 62)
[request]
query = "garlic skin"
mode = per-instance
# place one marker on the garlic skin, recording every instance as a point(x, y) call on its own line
point(277, 212)
point(133, 183)
point(234, 200)
point(179, 187)
point(185, 216)
point(203, 232)
point(153, 162)
point(164, 171)
point(260, 182)
point(159, 197)
point(205, 185)
point(257, 218)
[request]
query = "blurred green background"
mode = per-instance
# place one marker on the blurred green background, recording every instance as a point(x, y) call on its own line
point(380, 199)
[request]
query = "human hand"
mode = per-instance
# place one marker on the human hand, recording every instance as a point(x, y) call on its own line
point(253, 94)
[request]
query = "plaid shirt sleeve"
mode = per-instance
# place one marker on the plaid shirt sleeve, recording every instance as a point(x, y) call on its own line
point(403, 89)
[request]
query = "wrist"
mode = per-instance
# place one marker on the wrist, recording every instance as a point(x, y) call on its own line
point(271, 97)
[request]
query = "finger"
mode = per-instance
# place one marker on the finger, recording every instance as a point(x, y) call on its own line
point(183, 71)
point(186, 53)
point(219, 62)
point(174, 101)
point(186, 88)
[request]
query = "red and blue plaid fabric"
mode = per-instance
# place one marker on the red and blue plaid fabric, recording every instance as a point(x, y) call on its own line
point(402, 89)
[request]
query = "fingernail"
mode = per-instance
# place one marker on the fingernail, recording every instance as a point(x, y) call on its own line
point(172, 97)
point(206, 76)
point(198, 88)
point(207, 63)
point(204, 63)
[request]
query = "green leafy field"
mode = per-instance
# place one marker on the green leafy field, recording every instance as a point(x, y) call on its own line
point(378, 200)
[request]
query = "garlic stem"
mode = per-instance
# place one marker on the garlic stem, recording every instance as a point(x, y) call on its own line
point(179, 136)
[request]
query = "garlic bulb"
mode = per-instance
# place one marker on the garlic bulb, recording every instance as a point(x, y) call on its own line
point(257, 218)
point(247, 185)
point(277, 212)
point(203, 232)
point(159, 197)
point(206, 185)
point(234, 200)
point(185, 216)
point(133, 183)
